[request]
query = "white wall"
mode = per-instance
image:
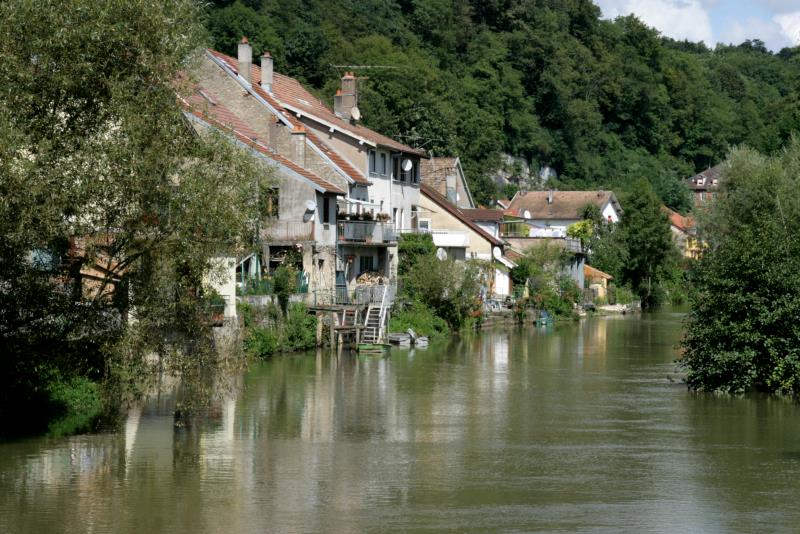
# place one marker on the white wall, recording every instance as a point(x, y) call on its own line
point(609, 211)
point(223, 281)
point(502, 282)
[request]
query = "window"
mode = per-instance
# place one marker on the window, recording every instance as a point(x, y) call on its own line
point(396, 168)
point(366, 263)
point(373, 162)
point(382, 164)
point(424, 225)
point(326, 211)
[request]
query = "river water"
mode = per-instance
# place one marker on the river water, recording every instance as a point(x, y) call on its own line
point(571, 428)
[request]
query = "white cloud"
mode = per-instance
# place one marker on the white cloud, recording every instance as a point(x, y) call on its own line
point(679, 19)
point(769, 31)
point(790, 26)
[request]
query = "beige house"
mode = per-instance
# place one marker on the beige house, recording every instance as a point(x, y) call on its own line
point(460, 238)
point(597, 281)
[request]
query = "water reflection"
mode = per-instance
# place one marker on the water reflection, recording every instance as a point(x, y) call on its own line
point(573, 427)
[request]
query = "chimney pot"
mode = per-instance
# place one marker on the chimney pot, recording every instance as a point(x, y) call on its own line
point(245, 59)
point(266, 71)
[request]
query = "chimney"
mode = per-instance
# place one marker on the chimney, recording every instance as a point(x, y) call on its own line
point(299, 142)
point(346, 98)
point(550, 196)
point(266, 72)
point(245, 59)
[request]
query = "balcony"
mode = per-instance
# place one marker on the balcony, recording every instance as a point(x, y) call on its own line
point(288, 231)
point(368, 232)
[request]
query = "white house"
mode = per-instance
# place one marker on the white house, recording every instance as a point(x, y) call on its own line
point(550, 213)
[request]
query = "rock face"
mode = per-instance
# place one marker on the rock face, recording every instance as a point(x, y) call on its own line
point(517, 171)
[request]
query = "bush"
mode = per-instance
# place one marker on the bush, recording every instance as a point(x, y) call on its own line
point(449, 288)
point(78, 404)
point(300, 329)
point(295, 332)
point(419, 318)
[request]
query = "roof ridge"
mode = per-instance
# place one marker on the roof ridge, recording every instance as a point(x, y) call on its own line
point(346, 168)
point(458, 213)
point(260, 147)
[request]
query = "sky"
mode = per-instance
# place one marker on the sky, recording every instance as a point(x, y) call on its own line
point(776, 22)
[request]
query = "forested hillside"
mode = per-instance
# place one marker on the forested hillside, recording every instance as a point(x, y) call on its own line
point(601, 102)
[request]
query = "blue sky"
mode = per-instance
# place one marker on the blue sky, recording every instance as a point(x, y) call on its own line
point(776, 22)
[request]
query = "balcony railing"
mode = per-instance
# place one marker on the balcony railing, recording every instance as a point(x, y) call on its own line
point(287, 231)
point(366, 232)
point(360, 295)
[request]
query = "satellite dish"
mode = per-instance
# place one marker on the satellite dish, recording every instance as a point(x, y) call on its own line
point(526, 214)
point(497, 253)
point(407, 164)
point(441, 254)
point(355, 114)
point(311, 205)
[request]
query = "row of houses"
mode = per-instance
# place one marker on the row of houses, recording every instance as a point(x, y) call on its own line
point(342, 194)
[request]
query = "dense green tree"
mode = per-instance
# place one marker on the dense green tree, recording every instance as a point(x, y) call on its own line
point(648, 242)
point(98, 167)
point(601, 102)
point(743, 333)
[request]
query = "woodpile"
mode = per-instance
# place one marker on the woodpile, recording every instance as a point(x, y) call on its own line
point(371, 278)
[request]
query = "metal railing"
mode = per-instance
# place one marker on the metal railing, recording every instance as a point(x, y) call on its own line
point(278, 230)
point(366, 232)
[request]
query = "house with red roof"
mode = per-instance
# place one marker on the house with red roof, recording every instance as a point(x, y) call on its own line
point(343, 191)
point(684, 234)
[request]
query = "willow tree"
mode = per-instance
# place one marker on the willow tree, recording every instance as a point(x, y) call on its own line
point(743, 332)
point(99, 167)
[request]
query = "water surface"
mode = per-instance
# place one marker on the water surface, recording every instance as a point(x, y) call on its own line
point(572, 428)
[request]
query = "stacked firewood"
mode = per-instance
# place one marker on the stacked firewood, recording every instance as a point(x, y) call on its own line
point(371, 278)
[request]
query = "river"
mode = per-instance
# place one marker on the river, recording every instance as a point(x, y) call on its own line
point(572, 428)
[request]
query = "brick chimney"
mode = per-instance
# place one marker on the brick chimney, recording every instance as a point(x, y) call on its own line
point(245, 59)
point(346, 98)
point(266, 72)
point(299, 143)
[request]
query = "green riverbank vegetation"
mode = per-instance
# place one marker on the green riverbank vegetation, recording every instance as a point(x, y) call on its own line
point(112, 209)
point(542, 283)
point(638, 252)
point(436, 296)
point(743, 332)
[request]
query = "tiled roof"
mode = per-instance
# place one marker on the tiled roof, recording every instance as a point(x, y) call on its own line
point(483, 214)
point(445, 204)
point(221, 117)
point(679, 221)
point(566, 205)
point(708, 179)
point(290, 93)
point(345, 166)
point(591, 272)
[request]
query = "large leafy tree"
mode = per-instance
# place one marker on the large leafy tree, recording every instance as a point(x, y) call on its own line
point(648, 242)
point(601, 102)
point(743, 333)
point(99, 169)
